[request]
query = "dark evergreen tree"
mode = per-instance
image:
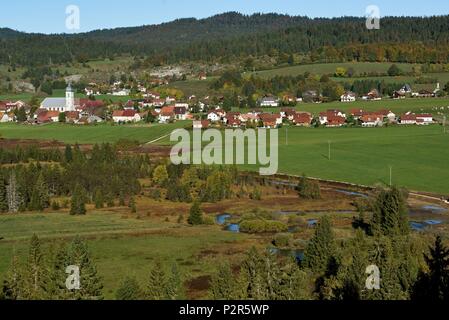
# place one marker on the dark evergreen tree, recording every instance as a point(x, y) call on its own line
point(129, 290)
point(78, 201)
point(321, 247)
point(195, 216)
point(433, 285)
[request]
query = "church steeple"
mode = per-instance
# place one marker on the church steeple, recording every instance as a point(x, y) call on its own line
point(69, 98)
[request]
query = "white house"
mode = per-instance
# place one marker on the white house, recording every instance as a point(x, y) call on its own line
point(348, 96)
point(269, 102)
point(126, 116)
point(424, 119)
point(180, 113)
point(61, 104)
point(213, 116)
point(4, 117)
point(121, 92)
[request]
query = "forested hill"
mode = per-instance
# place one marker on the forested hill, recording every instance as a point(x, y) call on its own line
point(232, 35)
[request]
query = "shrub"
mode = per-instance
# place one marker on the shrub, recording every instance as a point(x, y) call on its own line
point(283, 240)
point(262, 226)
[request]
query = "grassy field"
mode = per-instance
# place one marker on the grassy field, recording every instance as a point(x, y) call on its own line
point(121, 246)
point(329, 68)
point(89, 134)
point(418, 155)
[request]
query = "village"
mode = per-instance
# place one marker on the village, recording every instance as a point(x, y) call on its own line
point(152, 107)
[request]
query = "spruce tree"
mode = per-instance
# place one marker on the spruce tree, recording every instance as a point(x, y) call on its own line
point(195, 216)
point(132, 205)
point(434, 284)
point(13, 282)
point(13, 195)
point(156, 289)
point(78, 201)
point(90, 283)
point(3, 196)
point(98, 199)
point(223, 283)
point(321, 247)
point(35, 275)
point(68, 154)
point(129, 290)
point(390, 216)
point(173, 286)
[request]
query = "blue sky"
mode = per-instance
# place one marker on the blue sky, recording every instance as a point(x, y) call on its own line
point(48, 16)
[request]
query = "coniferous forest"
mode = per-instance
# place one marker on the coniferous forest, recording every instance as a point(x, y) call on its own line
point(402, 39)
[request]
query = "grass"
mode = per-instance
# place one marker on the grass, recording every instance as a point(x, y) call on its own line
point(89, 134)
point(120, 246)
point(329, 68)
point(418, 155)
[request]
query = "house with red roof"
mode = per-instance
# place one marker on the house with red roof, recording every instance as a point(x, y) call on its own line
point(270, 120)
point(335, 121)
point(372, 120)
point(234, 123)
point(203, 124)
point(167, 114)
point(408, 118)
point(424, 119)
point(303, 119)
point(123, 116)
point(45, 116)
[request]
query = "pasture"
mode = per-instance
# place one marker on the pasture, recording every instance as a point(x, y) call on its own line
point(89, 134)
point(120, 245)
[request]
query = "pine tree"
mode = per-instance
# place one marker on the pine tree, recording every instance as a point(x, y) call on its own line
point(132, 205)
point(98, 199)
point(90, 283)
point(173, 286)
point(434, 284)
point(78, 202)
point(68, 154)
point(129, 290)
point(3, 196)
point(35, 275)
point(321, 247)
point(223, 283)
point(57, 276)
point(12, 284)
point(156, 289)
point(195, 216)
point(390, 216)
point(12, 194)
point(40, 199)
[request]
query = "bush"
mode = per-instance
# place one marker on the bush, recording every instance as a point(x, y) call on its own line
point(309, 189)
point(283, 240)
point(262, 226)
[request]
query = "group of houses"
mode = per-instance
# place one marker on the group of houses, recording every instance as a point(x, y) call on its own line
point(256, 117)
point(329, 118)
point(402, 93)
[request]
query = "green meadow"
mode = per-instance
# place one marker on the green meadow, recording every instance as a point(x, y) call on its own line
point(418, 156)
point(329, 68)
point(120, 246)
point(89, 134)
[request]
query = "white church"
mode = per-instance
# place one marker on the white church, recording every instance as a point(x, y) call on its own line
point(61, 104)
